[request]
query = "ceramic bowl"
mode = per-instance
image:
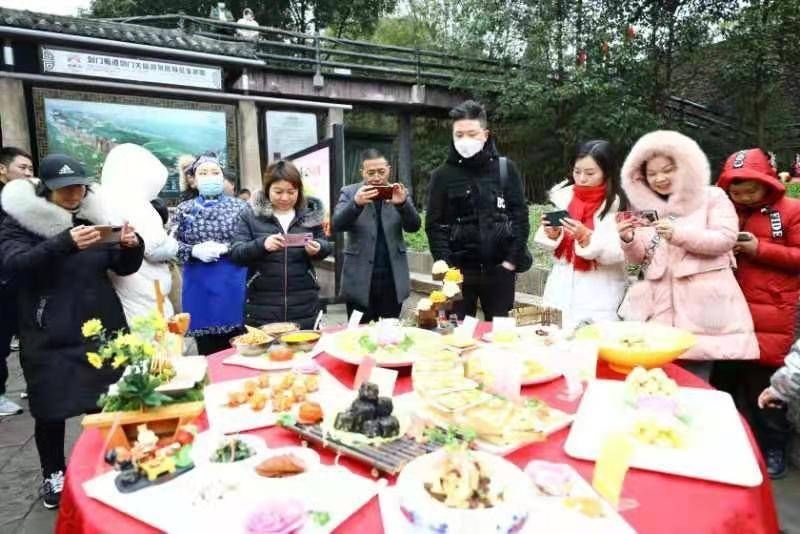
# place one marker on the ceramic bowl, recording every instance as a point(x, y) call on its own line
point(428, 515)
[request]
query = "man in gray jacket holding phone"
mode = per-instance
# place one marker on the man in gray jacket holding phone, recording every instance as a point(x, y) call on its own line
point(374, 214)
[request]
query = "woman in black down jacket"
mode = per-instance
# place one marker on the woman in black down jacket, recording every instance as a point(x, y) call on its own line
point(282, 282)
point(48, 241)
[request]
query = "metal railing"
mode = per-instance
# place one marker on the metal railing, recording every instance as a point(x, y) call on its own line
point(318, 53)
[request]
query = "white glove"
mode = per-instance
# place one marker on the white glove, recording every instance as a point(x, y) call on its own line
point(207, 251)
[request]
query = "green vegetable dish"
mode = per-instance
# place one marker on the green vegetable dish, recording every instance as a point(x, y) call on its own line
point(232, 450)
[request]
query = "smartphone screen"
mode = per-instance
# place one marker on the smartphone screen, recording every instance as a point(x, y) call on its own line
point(743, 236)
point(298, 240)
point(554, 217)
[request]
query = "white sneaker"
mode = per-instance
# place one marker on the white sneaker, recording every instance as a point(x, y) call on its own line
point(51, 490)
point(9, 408)
point(14, 346)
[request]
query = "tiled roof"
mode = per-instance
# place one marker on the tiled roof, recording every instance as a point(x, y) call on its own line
point(116, 31)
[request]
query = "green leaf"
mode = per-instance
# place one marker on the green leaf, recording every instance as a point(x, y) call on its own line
point(320, 518)
point(286, 419)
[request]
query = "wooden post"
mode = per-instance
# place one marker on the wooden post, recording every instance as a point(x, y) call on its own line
point(404, 151)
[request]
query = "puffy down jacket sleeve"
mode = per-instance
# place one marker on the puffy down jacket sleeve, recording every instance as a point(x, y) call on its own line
point(246, 248)
point(126, 260)
point(719, 235)
point(782, 256)
point(518, 213)
point(22, 253)
point(786, 380)
point(435, 225)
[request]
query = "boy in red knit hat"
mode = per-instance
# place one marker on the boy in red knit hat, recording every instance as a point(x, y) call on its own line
point(768, 256)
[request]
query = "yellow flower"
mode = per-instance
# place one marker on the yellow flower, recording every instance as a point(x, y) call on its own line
point(148, 350)
point(91, 328)
point(94, 359)
point(453, 275)
point(437, 297)
point(119, 360)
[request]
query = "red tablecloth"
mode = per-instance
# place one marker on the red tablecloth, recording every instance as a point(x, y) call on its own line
point(667, 504)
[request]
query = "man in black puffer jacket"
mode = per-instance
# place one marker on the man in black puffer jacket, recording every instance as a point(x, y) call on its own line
point(476, 218)
point(14, 164)
point(282, 283)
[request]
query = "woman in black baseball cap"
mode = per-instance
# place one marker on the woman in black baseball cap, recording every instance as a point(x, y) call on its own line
point(51, 242)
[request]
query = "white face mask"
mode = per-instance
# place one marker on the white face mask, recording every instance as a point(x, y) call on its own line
point(468, 147)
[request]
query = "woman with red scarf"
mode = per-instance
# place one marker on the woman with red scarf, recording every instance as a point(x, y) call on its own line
point(587, 281)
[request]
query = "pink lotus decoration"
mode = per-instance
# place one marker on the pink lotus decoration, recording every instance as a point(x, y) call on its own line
point(279, 516)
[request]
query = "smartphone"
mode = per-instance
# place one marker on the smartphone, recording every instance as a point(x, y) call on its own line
point(648, 216)
point(108, 233)
point(384, 191)
point(639, 218)
point(554, 217)
point(744, 236)
point(298, 240)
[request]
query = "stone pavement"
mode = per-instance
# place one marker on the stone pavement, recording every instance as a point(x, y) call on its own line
point(21, 511)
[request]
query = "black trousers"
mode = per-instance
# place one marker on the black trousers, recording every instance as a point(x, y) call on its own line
point(49, 436)
point(745, 380)
point(493, 286)
point(8, 328)
point(382, 299)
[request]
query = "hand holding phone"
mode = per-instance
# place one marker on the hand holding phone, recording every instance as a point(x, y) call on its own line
point(744, 236)
point(108, 233)
point(554, 218)
point(384, 191)
point(298, 240)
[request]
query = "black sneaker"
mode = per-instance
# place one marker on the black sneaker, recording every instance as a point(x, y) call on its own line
point(51, 490)
point(776, 463)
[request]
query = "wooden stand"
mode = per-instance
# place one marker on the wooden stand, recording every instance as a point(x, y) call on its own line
point(120, 430)
point(532, 314)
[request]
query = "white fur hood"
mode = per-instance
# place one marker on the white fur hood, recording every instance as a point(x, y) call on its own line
point(692, 177)
point(42, 217)
point(133, 173)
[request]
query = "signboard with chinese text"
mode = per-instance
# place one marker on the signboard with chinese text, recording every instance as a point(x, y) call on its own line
point(115, 67)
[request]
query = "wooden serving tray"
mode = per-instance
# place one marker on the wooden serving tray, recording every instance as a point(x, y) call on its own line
point(389, 458)
point(119, 428)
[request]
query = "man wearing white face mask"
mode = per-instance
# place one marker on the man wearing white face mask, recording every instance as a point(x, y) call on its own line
point(476, 217)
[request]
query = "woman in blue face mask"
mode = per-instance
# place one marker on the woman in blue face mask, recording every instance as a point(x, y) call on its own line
point(213, 286)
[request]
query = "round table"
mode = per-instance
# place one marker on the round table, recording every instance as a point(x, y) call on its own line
point(666, 503)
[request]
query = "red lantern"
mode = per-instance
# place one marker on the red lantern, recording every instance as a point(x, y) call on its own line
point(604, 48)
point(582, 57)
point(630, 32)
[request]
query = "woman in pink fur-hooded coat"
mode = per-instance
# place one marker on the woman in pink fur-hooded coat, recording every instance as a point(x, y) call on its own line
point(689, 282)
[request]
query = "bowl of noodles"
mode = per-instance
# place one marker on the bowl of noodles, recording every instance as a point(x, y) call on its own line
point(628, 344)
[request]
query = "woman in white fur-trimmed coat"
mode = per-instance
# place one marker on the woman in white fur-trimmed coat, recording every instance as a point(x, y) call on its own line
point(587, 281)
point(689, 283)
point(132, 176)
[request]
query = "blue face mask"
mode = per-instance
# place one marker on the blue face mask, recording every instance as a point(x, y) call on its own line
point(210, 186)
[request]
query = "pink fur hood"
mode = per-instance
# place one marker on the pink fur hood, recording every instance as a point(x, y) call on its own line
point(693, 173)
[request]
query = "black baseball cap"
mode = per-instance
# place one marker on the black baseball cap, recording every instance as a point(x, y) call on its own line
point(60, 170)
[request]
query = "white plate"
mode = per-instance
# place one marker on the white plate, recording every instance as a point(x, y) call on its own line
point(717, 447)
point(231, 420)
point(207, 442)
point(189, 370)
point(547, 356)
point(500, 450)
point(263, 363)
point(354, 355)
point(173, 506)
point(552, 511)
